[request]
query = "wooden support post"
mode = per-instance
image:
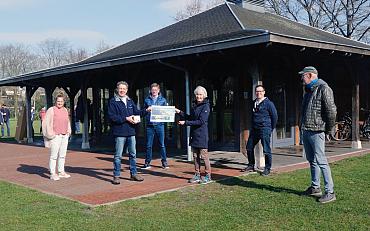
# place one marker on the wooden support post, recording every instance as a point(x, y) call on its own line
point(29, 92)
point(356, 142)
point(85, 133)
point(97, 123)
point(49, 96)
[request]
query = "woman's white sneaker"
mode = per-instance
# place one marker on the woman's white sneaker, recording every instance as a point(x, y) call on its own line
point(64, 175)
point(54, 177)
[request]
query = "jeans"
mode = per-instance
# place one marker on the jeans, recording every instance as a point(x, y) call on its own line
point(58, 151)
point(151, 131)
point(7, 128)
point(314, 145)
point(77, 126)
point(131, 145)
point(263, 134)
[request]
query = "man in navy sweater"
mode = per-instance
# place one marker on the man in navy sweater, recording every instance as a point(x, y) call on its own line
point(121, 111)
point(264, 119)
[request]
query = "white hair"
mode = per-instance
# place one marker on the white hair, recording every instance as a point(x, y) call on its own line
point(200, 89)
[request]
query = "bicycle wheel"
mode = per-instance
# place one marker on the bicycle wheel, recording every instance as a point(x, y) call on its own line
point(342, 131)
point(366, 132)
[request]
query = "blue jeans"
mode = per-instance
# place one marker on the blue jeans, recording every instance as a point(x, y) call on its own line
point(314, 145)
point(131, 145)
point(6, 123)
point(151, 131)
point(77, 126)
point(263, 134)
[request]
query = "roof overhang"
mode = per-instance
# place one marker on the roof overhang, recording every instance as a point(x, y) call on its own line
point(187, 50)
point(297, 41)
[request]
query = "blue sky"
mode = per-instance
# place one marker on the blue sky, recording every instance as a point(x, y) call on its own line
point(83, 22)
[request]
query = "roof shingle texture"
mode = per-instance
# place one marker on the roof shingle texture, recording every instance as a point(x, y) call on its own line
point(209, 26)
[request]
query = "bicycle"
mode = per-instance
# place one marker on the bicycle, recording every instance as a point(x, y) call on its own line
point(343, 129)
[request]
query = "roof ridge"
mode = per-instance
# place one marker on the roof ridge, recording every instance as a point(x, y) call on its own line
point(233, 13)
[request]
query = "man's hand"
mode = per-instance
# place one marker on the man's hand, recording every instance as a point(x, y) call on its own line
point(181, 122)
point(130, 119)
point(149, 109)
point(177, 110)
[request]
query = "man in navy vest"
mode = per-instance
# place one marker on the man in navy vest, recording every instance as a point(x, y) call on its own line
point(264, 119)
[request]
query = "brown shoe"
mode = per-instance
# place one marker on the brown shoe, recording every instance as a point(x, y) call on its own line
point(136, 177)
point(116, 180)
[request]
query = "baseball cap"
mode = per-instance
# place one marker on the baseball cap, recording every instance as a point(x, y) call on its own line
point(309, 69)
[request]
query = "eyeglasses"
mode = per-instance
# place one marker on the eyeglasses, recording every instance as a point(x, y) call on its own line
point(305, 75)
point(259, 91)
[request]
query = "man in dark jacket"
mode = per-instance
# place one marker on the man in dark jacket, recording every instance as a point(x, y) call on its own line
point(317, 118)
point(154, 128)
point(264, 119)
point(121, 111)
point(6, 118)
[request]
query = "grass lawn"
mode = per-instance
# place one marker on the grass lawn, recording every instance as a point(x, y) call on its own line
point(247, 203)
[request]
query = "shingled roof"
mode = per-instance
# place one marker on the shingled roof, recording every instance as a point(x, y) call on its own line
point(213, 25)
point(224, 26)
point(283, 26)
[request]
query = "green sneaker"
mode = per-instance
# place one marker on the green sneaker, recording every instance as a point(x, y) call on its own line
point(195, 179)
point(206, 179)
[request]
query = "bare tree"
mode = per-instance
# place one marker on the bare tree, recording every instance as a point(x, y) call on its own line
point(76, 55)
point(102, 46)
point(349, 18)
point(54, 52)
point(194, 7)
point(15, 60)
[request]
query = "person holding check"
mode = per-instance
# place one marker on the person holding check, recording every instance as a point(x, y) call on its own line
point(123, 113)
point(154, 128)
point(198, 122)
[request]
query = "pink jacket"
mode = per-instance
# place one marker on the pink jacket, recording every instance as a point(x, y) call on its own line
point(47, 127)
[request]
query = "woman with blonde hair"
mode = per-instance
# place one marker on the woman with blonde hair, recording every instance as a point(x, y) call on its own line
point(56, 129)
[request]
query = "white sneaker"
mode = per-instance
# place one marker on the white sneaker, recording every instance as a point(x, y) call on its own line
point(64, 175)
point(54, 177)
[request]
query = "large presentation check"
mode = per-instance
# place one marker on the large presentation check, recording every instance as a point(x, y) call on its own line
point(162, 114)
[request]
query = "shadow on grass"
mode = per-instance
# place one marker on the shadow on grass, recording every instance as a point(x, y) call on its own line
point(251, 184)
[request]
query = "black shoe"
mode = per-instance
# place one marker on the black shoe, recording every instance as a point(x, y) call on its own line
point(266, 172)
point(249, 168)
point(165, 166)
point(311, 191)
point(116, 180)
point(136, 177)
point(327, 197)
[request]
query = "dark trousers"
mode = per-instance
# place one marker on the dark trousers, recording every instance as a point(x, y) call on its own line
point(263, 134)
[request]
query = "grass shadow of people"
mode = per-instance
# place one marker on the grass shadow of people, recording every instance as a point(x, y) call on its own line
point(233, 181)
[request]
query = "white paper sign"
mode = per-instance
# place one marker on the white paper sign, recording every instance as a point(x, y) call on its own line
point(162, 114)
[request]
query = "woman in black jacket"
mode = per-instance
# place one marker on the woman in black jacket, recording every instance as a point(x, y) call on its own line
point(198, 122)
